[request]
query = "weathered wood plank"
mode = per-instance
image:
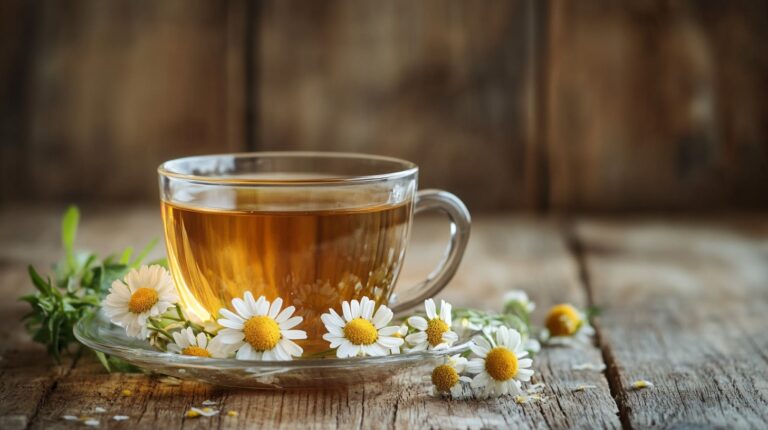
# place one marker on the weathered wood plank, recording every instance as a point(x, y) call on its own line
point(100, 93)
point(30, 235)
point(504, 253)
point(448, 85)
point(651, 104)
point(684, 307)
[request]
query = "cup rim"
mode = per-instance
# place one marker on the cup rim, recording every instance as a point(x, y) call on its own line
point(407, 168)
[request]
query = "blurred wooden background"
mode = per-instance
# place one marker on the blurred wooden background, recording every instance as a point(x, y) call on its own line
point(593, 105)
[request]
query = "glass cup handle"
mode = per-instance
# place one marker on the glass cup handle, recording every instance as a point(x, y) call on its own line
point(459, 217)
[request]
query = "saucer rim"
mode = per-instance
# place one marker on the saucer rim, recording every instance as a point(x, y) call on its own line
point(130, 354)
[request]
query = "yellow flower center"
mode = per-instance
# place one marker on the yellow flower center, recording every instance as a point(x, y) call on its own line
point(563, 320)
point(262, 332)
point(501, 364)
point(435, 329)
point(196, 351)
point(360, 331)
point(444, 377)
point(142, 300)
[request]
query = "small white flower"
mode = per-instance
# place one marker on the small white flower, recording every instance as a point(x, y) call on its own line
point(186, 343)
point(445, 377)
point(259, 330)
point(361, 332)
point(434, 332)
point(91, 422)
point(120, 417)
point(521, 297)
point(500, 366)
point(564, 324)
point(143, 293)
point(70, 418)
point(99, 410)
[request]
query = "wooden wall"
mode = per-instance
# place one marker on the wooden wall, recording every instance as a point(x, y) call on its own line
point(524, 104)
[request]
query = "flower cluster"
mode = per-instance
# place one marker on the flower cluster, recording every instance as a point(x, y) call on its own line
point(499, 356)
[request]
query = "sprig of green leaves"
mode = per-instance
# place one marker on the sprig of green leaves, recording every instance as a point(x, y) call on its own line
point(79, 283)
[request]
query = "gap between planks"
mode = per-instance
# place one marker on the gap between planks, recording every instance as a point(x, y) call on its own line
point(611, 372)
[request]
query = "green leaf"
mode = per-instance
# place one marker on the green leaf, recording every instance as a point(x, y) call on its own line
point(125, 258)
point(68, 232)
point(143, 254)
point(103, 359)
point(42, 285)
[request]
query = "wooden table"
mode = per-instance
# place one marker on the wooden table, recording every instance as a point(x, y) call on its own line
point(684, 305)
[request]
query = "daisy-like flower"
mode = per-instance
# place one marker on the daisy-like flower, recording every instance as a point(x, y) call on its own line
point(360, 332)
point(259, 330)
point(434, 332)
point(565, 322)
point(186, 343)
point(500, 365)
point(521, 297)
point(143, 293)
point(445, 377)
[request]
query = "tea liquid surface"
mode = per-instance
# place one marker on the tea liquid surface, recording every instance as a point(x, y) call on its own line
point(314, 260)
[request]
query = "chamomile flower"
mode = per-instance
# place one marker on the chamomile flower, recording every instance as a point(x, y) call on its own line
point(258, 330)
point(433, 332)
point(500, 365)
point(445, 377)
point(360, 331)
point(565, 323)
point(186, 343)
point(143, 293)
point(521, 297)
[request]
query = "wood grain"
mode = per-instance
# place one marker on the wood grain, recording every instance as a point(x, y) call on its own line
point(448, 85)
point(505, 253)
point(106, 91)
point(684, 307)
point(651, 104)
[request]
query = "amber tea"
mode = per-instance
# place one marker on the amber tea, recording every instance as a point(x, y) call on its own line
point(315, 229)
point(312, 259)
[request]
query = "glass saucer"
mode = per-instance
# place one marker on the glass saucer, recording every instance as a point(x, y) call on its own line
point(97, 332)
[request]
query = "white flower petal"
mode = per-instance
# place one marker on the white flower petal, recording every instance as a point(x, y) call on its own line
point(389, 342)
point(275, 308)
point(389, 331)
point(294, 334)
point(230, 336)
point(227, 314)
point(475, 365)
point(245, 352)
point(291, 323)
point(241, 307)
point(382, 317)
point(429, 306)
point(262, 306)
point(347, 349)
point(367, 309)
point(479, 349)
point(355, 308)
point(418, 323)
point(346, 311)
point(285, 314)
point(235, 325)
point(416, 338)
point(445, 312)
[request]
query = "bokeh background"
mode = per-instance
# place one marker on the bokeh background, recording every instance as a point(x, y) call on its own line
point(535, 105)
